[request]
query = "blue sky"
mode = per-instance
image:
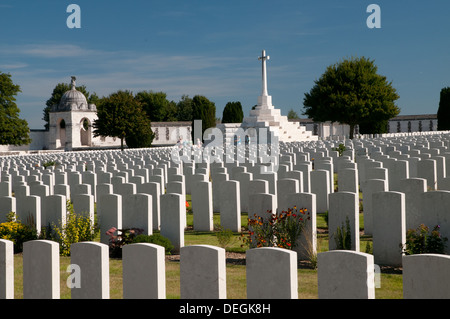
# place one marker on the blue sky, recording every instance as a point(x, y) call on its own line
point(211, 48)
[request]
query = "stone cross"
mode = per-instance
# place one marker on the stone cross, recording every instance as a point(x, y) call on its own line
point(264, 57)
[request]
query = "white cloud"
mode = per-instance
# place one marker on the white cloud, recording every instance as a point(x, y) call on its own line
point(13, 66)
point(42, 66)
point(47, 50)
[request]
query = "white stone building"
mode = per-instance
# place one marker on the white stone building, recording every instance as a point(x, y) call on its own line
point(70, 124)
point(398, 124)
point(70, 128)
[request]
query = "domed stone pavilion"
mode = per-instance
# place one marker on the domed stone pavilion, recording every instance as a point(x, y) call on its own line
point(71, 121)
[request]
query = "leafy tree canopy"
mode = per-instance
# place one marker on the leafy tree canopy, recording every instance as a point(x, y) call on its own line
point(351, 92)
point(443, 113)
point(121, 115)
point(184, 109)
point(156, 105)
point(204, 110)
point(232, 113)
point(13, 130)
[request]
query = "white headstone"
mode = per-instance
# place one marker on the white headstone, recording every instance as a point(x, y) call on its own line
point(202, 272)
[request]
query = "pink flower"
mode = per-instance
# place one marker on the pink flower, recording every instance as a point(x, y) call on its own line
point(111, 231)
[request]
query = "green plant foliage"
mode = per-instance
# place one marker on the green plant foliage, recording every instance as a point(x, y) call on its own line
point(224, 236)
point(443, 113)
point(340, 149)
point(204, 110)
point(78, 227)
point(17, 232)
point(276, 230)
point(369, 248)
point(421, 241)
point(50, 163)
point(184, 109)
point(156, 239)
point(292, 115)
point(143, 136)
point(232, 113)
point(372, 127)
point(351, 92)
point(325, 217)
point(13, 130)
point(120, 237)
point(155, 104)
point(342, 236)
point(121, 115)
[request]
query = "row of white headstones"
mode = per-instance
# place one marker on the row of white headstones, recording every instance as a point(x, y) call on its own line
point(403, 181)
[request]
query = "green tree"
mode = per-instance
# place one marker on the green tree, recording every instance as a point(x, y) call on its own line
point(121, 115)
point(204, 110)
point(292, 115)
point(351, 92)
point(140, 133)
point(155, 104)
point(232, 113)
point(372, 127)
point(184, 109)
point(171, 112)
point(57, 94)
point(443, 113)
point(13, 130)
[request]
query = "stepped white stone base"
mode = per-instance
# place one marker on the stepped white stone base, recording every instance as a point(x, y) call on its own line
point(265, 115)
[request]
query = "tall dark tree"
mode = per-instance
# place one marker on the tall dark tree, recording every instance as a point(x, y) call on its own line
point(171, 114)
point(121, 115)
point(57, 94)
point(140, 134)
point(352, 92)
point(443, 113)
point(232, 113)
point(13, 130)
point(184, 109)
point(204, 110)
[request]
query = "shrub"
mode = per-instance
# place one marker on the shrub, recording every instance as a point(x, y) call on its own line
point(369, 248)
point(50, 163)
point(120, 237)
point(17, 232)
point(342, 236)
point(340, 149)
point(78, 227)
point(326, 217)
point(421, 241)
point(156, 239)
point(276, 230)
point(224, 236)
